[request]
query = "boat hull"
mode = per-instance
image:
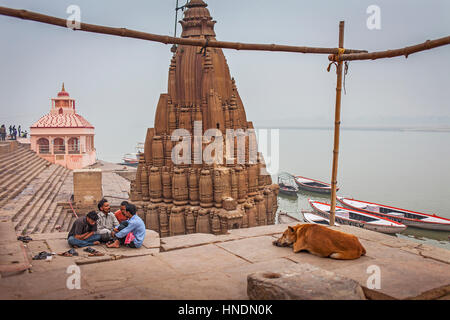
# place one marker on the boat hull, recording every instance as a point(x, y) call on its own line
point(407, 222)
point(360, 224)
point(326, 189)
point(290, 193)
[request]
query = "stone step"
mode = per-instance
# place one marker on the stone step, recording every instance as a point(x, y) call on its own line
point(31, 188)
point(18, 171)
point(9, 170)
point(22, 183)
point(20, 150)
point(51, 211)
point(53, 220)
point(22, 217)
point(66, 224)
point(40, 216)
point(7, 166)
point(35, 215)
point(16, 156)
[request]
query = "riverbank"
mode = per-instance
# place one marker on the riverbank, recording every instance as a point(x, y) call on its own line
point(204, 266)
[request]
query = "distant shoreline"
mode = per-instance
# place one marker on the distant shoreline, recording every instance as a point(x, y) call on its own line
point(410, 129)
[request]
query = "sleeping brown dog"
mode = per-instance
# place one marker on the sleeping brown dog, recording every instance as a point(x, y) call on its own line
point(321, 241)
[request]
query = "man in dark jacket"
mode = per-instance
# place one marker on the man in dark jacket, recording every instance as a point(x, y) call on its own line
point(82, 233)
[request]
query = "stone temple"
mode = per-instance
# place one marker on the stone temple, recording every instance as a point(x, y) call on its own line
point(198, 195)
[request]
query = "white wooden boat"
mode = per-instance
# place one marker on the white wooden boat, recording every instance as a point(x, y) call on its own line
point(314, 218)
point(357, 218)
point(313, 185)
point(407, 217)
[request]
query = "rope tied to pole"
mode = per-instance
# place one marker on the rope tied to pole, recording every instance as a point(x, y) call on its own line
point(203, 49)
point(346, 63)
point(334, 61)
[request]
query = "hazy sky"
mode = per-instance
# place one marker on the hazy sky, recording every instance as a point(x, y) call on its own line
point(117, 81)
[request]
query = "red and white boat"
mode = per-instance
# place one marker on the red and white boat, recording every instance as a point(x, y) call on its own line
point(407, 217)
point(357, 218)
point(313, 185)
point(314, 218)
point(130, 159)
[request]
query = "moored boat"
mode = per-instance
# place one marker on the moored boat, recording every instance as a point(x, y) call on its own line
point(287, 189)
point(130, 159)
point(314, 218)
point(357, 218)
point(312, 185)
point(287, 185)
point(407, 217)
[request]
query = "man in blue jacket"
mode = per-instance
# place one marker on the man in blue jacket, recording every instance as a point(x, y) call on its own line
point(131, 232)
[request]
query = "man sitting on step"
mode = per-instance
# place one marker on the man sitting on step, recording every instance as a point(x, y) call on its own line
point(82, 233)
point(106, 221)
point(131, 232)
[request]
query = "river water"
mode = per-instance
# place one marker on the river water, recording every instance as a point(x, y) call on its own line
point(405, 169)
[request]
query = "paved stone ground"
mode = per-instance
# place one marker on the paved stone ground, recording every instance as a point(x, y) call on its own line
point(115, 188)
point(204, 266)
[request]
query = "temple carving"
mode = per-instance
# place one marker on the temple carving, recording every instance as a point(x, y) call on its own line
point(197, 195)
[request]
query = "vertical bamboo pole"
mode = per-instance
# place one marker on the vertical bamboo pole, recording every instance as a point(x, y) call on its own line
point(337, 126)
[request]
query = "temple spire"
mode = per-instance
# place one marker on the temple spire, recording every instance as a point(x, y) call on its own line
point(63, 87)
point(196, 3)
point(197, 21)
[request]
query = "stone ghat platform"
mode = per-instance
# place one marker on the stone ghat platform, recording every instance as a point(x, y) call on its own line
point(205, 266)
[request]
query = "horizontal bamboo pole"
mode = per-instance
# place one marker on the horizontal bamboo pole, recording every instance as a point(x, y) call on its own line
point(123, 32)
point(429, 44)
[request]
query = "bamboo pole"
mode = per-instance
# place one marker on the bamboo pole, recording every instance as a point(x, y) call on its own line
point(123, 32)
point(337, 126)
point(429, 44)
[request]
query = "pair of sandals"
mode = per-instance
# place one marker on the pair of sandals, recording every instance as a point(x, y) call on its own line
point(93, 252)
point(42, 255)
point(25, 239)
point(70, 253)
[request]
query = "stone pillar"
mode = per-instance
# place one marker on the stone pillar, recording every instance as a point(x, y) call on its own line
point(215, 224)
point(242, 185)
point(206, 189)
point(163, 221)
point(261, 210)
point(245, 219)
point(168, 152)
point(202, 225)
point(176, 222)
point(250, 209)
point(193, 187)
point(167, 184)
point(152, 219)
point(157, 151)
point(190, 221)
point(179, 187)
point(269, 206)
point(144, 182)
point(253, 173)
point(234, 185)
point(155, 185)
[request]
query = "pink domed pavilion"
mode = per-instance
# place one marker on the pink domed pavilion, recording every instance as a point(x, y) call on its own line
point(63, 136)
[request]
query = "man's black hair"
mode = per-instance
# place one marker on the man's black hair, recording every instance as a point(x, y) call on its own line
point(131, 208)
point(92, 215)
point(123, 203)
point(101, 203)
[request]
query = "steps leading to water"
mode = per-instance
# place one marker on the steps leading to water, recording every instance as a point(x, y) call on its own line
point(33, 192)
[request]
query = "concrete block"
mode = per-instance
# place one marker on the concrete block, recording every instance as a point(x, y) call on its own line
point(304, 282)
point(87, 186)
